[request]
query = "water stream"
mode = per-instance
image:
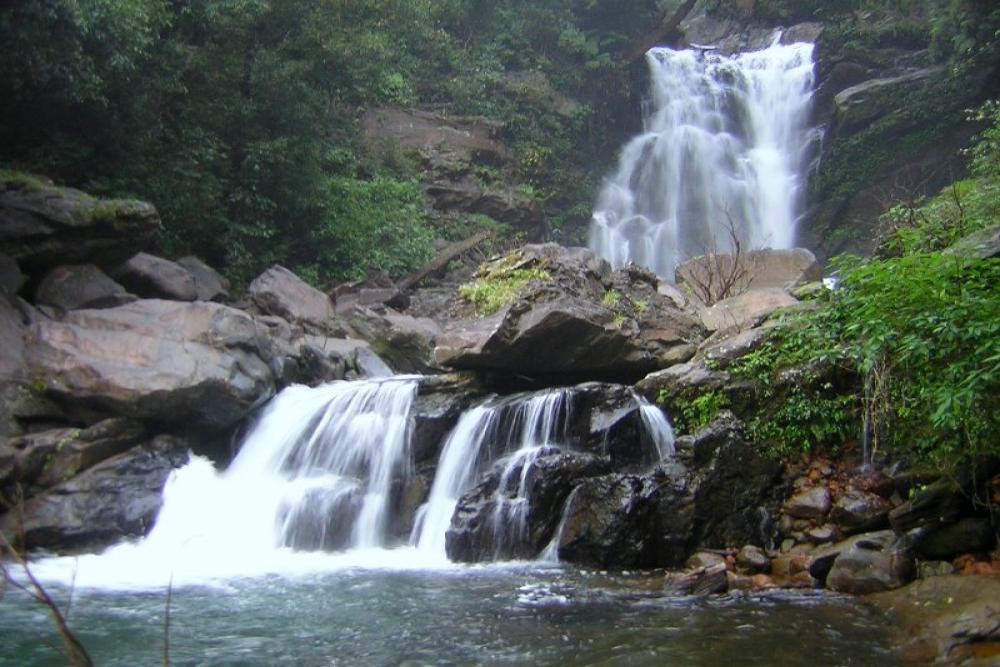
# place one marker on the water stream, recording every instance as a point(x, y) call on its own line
point(284, 559)
point(724, 153)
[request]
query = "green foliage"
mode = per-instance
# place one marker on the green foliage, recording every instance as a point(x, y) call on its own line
point(692, 414)
point(369, 224)
point(500, 283)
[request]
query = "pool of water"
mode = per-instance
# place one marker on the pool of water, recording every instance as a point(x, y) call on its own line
point(525, 614)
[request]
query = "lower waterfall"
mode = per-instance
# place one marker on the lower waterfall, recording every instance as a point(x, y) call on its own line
point(312, 486)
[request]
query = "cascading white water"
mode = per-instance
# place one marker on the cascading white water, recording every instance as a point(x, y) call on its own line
point(520, 426)
point(656, 425)
point(726, 143)
point(514, 431)
point(315, 473)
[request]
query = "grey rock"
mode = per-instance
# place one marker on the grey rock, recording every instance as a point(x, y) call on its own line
point(153, 277)
point(968, 535)
point(11, 278)
point(198, 362)
point(280, 292)
point(581, 322)
point(810, 504)
point(752, 559)
point(405, 342)
point(983, 244)
point(701, 581)
point(872, 566)
point(208, 283)
point(116, 498)
point(80, 286)
point(42, 226)
point(550, 478)
point(47, 458)
point(860, 511)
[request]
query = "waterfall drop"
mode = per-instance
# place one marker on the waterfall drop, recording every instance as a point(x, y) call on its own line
point(724, 152)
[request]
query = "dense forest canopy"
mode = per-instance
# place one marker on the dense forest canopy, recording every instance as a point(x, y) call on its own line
point(239, 119)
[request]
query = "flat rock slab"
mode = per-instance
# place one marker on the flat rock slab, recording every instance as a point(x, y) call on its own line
point(42, 225)
point(946, 619)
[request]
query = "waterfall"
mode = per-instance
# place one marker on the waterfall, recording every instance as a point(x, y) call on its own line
point(511, 433)
point(521, 427)
point(725, 148)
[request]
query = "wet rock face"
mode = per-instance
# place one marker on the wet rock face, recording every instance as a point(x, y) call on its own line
point(611, 522)
point(579, 321)
point(492, 523)
point(117, 498)
point(159, 360)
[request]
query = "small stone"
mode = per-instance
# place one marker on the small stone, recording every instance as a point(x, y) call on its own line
point(753, 559)
point(704, 559)
point(824, 534)
point(811, 504)
point(787, 544)
point(701, 581)
point(797, 580)
point(790, 564)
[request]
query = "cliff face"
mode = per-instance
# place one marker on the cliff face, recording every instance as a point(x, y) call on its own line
point(891, 106)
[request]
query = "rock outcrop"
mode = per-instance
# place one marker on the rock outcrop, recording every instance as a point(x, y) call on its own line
point(116, 498)
point(44, 226)
point(574, 318)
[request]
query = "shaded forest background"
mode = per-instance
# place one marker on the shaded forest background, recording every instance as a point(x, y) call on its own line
point(239, 119)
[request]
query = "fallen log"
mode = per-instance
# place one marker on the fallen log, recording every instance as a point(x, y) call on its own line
point(441, 260)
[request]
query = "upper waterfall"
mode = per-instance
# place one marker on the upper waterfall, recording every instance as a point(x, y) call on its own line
point(725, 148)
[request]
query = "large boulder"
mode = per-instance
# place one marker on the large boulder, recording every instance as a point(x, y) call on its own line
point(612, 521)
point(42, 225)
point(116, 498)
point(945, 620)
point(562, 313)
point(405, 342)
point(280, 292)
point(872, 565)
point(208, 284)
point(80, 286)
point(982, 244)
point(757, 269)
point(160, 360)
point(745, 310)
point(153, 277)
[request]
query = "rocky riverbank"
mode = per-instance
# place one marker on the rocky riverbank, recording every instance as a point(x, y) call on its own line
point(117, 363)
